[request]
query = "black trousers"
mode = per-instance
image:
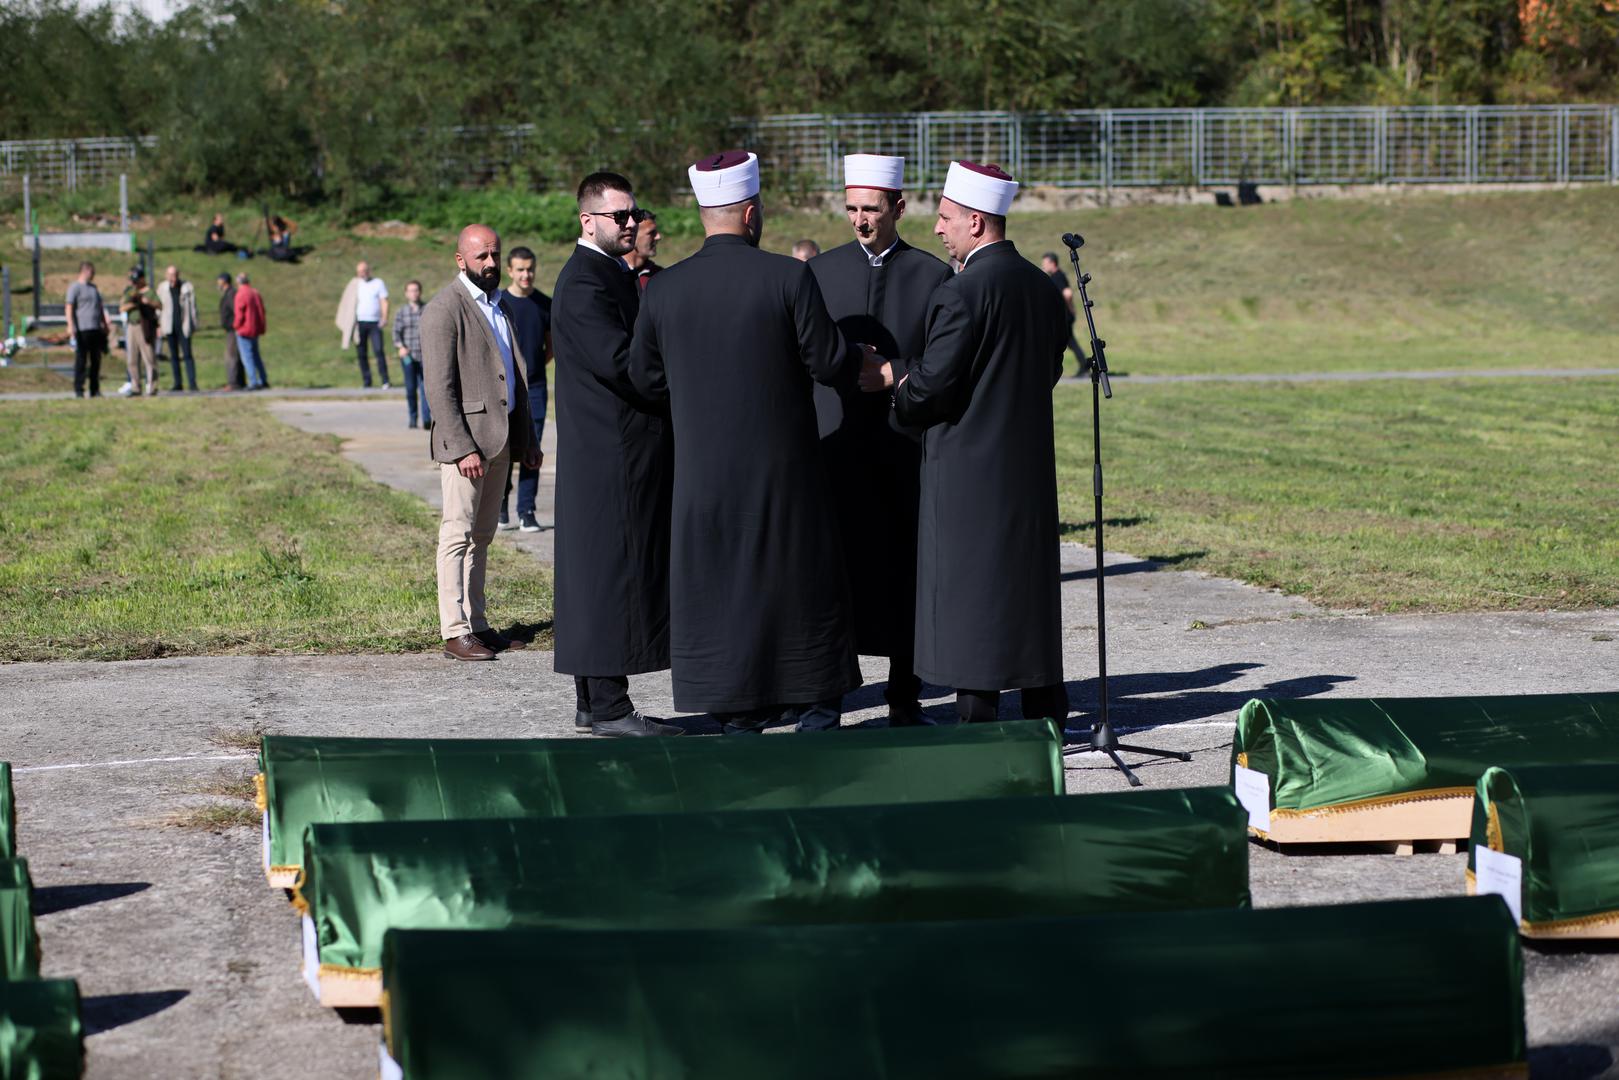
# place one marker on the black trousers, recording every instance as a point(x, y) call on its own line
point(370, 333)
point(602, 697)
point(982, 706)
point(904, 690)
point(816, 716)
point(179, 343)
point(89, 346)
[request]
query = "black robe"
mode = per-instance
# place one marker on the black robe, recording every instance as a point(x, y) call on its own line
point(614, 479)
point(988, 611)
point(759, 608)
point(875, 470)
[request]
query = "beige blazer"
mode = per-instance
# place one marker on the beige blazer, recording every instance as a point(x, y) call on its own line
point(166, 313)
point(345, 311)
point(466, 381)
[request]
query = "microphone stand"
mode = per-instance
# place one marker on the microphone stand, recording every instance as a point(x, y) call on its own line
point(1100, 738)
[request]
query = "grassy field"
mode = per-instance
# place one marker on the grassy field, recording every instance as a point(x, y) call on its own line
point(1421, 281)
point(169, 527)
point(1446, 495)
point(118, 538)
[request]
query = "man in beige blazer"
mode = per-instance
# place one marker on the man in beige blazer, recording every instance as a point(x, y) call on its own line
point(475, 386)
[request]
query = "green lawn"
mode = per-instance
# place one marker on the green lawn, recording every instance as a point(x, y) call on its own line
point(1449, 495)
point(167, 527)
point(1420, 281)
point(119, 537)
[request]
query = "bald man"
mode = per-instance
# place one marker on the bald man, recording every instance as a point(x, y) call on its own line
point(473, 369)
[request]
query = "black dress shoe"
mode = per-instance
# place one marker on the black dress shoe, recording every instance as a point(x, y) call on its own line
point(581, 721)
point(633, 726)
point(495, 642)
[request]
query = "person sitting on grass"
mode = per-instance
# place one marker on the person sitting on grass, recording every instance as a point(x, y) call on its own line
point(215, 243)
point(281, 231)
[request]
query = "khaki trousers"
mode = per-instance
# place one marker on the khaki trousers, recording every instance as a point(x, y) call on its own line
point(471, 513)
point(140, 353)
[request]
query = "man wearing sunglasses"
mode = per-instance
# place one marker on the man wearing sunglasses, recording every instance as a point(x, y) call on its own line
point(614, 476)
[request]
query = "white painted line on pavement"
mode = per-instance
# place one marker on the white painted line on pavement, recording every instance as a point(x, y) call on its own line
point(134, 761)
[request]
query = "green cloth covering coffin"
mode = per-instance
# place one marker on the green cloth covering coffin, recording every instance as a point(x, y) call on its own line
point(8, 814)
point(1402, 988)
point(41, 1035)
point(19, 944)
point(308, 780)
point(1147, 851)
point(1338, 752)
point(1562, 823)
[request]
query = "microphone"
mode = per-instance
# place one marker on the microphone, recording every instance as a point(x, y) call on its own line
point(1073, 240)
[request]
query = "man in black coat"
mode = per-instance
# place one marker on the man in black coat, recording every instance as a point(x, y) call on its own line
point(731, 338)
point(877, 288)
point(613, 476)
point(989, 611)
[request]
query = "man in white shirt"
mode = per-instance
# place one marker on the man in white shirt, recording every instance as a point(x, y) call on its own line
point(370, 312)
point(474, 372)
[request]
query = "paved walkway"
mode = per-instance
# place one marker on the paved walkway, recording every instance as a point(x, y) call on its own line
point(189, 961)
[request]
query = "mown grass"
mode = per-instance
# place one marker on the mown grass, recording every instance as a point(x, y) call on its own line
point(1413, 281)
point(1390, 496)
point(170, 527)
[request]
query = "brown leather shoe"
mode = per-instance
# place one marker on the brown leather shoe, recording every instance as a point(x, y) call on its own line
point(498, 642)
point(467, 647)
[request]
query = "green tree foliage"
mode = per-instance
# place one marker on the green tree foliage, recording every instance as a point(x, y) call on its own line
point(361, 101)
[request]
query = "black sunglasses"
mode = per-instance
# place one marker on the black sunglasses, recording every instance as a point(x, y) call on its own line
point(621, 218)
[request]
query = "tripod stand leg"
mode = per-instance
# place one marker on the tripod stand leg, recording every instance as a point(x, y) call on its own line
point(1135, 781)
point(1178, 755)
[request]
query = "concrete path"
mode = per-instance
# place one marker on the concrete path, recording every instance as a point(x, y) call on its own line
point(189, 961)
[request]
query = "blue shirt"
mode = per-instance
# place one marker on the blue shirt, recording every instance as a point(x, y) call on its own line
point(531, 318)
point(489, 306)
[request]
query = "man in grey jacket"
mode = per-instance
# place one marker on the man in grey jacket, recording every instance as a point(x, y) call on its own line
point(473, 368)
point(176, 322)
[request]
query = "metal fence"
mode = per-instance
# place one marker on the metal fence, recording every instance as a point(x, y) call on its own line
point(69, 163)
point(1087, 148)
point(1104, 148)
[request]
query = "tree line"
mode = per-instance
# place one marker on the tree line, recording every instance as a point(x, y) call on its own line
point(357, 99)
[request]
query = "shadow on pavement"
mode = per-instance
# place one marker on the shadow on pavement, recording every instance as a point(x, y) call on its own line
point(107, 1011)
point(50, 899)
point(1134, 701)
point(1572, 1061)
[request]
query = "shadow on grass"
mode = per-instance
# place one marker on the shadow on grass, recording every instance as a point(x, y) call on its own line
point(49, 899)
point(105, 1012)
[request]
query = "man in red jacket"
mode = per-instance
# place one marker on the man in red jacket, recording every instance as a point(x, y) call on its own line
point(250, 326)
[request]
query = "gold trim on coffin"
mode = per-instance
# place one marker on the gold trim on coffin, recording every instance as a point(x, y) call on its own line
point(261, 796)
point(1602, 925)
point(350, 988)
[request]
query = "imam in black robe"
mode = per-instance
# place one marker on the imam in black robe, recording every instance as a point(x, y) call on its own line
point(759, 609)
point(875, 470)
point(988, 611)
point(614, 478)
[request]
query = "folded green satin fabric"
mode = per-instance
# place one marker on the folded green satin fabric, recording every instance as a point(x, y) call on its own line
point(1142, 851)
point(41, 1035)
point(8, 814)
point(1563, 822)
point(1398, 988)
point(19, 944)
point(1321, 752)
point(308, 780)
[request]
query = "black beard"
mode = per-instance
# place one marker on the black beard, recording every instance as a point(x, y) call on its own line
point(488, 280)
